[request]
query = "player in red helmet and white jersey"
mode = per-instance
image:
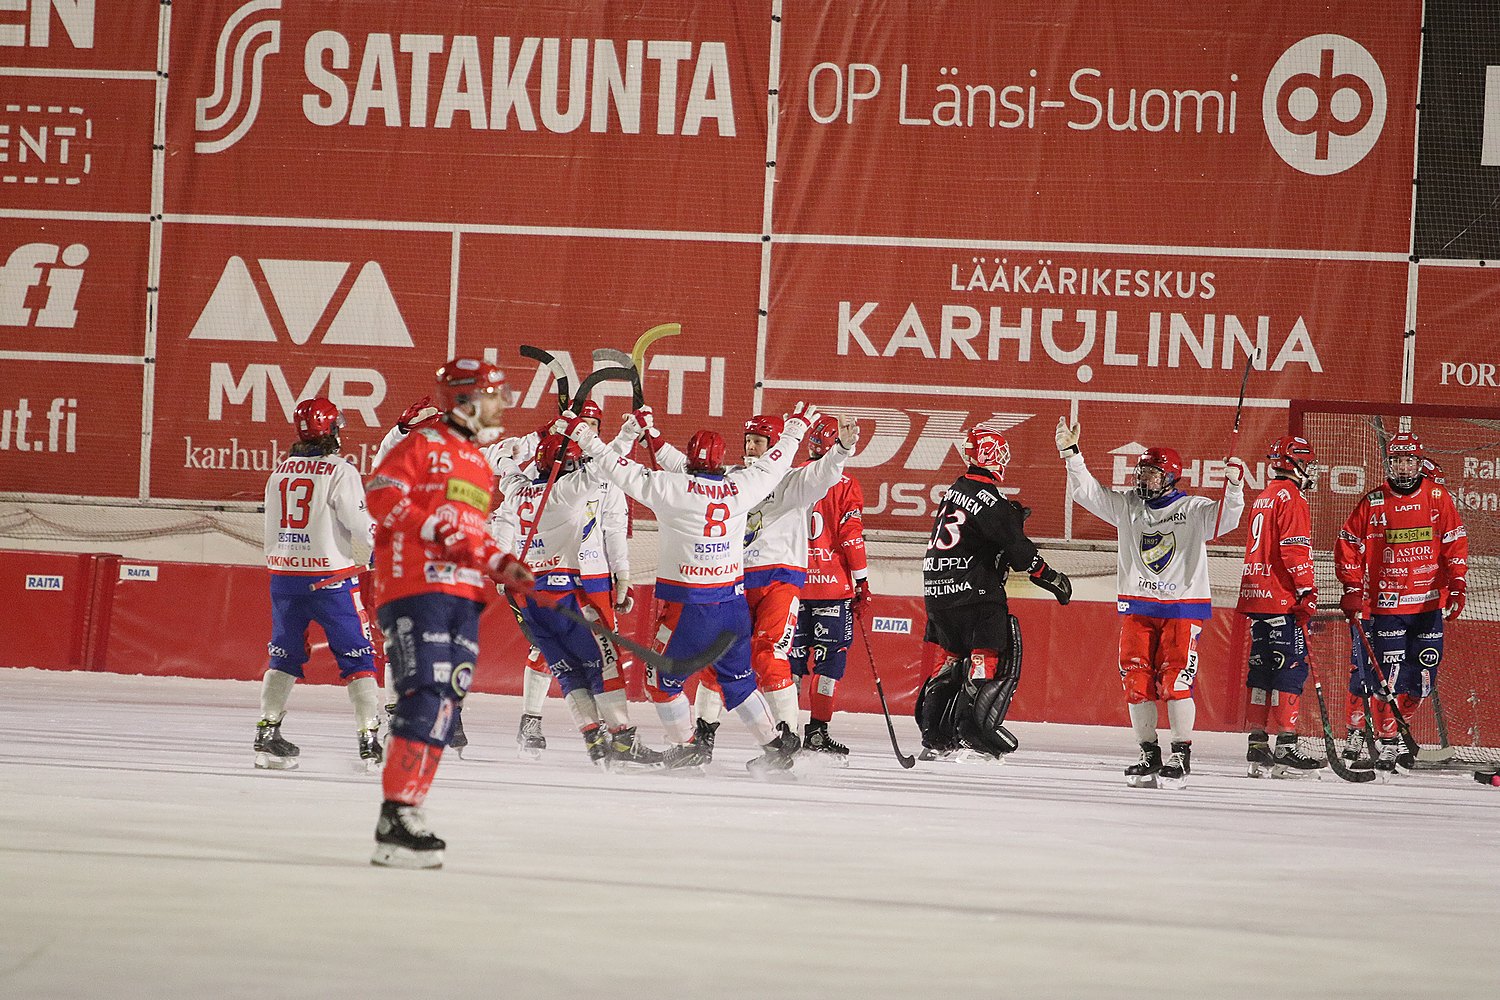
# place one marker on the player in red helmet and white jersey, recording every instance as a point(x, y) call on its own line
point(775, 569)
point(836, 589)
point(1163, 591)
point(316, 528)
point(1402, 557)
point(1278, 595)
point(434, 564)
point(701, 515)
point(554, 536)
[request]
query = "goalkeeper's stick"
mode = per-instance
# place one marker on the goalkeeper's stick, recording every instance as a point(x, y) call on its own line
point(880, 690)
point(1445, 751)
point(1386, 694)
point(1234, 435)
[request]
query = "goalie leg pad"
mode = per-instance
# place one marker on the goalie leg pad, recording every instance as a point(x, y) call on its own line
point(981, 724)
point(936, 707)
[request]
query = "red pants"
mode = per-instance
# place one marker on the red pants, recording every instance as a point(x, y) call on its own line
point(1158, 657)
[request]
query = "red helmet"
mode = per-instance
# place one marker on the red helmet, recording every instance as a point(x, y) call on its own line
point(767, 426)
point(1403, 444)
point(316, 418)
point(1165, 459)
point(988, 449)
point(462, 379)
point(822, 436)
point(705, 452)
point(548, 448)
point(1433, 471)
point(591, 410)
point(1292, 453)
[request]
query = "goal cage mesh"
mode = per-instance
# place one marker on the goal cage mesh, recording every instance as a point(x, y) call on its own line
point(1460, 725)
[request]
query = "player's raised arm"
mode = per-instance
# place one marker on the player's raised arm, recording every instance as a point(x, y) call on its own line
point(1085, 490)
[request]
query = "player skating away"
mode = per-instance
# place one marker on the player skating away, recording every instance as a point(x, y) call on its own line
point(1402, 557)
point(775, 569)
point(574, 655)
point(837, 588)
point(434, 559)
point(1278, 595)
point(1163, 591)
point(316, 527)
point(978, 537)
point(701, 515)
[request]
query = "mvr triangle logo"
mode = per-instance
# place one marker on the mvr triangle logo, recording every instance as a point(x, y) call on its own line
point(267, 301)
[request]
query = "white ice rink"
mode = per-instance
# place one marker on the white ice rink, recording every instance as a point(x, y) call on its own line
point(142, 855)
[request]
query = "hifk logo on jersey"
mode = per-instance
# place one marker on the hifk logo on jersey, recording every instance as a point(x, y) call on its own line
point(36, 266)
point(1157, 550)
point(1324, 104)
point(296, 299)
point(235, 102)
point(590, 519)
point(753, 524)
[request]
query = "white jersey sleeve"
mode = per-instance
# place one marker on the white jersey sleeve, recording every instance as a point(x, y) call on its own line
point(1107, 505)
point(393, 437)
point(614, 519)
point(316, 523)
point(1234, 508)
point(776, 532)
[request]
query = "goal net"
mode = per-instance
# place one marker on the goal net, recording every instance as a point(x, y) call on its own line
point(1460, 725)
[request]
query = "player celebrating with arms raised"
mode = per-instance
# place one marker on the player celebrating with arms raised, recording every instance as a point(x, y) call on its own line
point(1163, 591)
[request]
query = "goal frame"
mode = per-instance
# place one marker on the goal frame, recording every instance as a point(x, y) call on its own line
point(1298, 409)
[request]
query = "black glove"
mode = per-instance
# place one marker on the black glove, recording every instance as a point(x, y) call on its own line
point(1050, 580)
point(1021, 509)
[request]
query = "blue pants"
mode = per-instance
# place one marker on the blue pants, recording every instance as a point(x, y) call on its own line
point(689, 629)
point(1278, 654)
point(431, 641)
point(824, 631)
point(295, 605)
point(572, 653)
point(1409, 647)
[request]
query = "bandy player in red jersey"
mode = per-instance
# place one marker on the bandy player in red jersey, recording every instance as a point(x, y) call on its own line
point(837, 588)
point(433, 560)
point(775, 569)
point(1402, 557)
point(1278, 595)
point(316, 528)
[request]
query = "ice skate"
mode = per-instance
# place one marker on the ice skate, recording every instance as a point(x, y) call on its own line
point(696, 752)
point(271, 750)
point(402, 839)
point(596, 742)
point(1258, 759)
point(458, 740)
point(932, 753)
point(1391, 762)
point(529, 739)
point(625, 753)
point(1142, 774)
point(1290, 762)
point(776, 762)
point(815, 740)
point(1177, 766)
point(371, 753)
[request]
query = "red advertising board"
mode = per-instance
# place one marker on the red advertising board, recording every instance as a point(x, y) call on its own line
point(481, 113)
point(1142, 123)
point(91, 35)
point(70, 428)
point(1457, 352)
point(259, 318)
point(69, 287)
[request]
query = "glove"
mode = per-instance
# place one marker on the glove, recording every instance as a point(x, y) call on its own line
point(631, 428)
point(802, 417)
point(1050, 580)
point(1455, 600)
point(645, 419)
point(443, 530)
point(412, 414)
point(1352, 604)
point(1235, 471)
point(510, 573)
point(571, 425)
point(1066, 437)
point(861, 596)
point(848, 433)
point(1305, 606)
point(624, 603)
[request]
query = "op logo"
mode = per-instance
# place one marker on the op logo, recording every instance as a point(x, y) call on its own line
point(1157, 550)
point(1324, 104)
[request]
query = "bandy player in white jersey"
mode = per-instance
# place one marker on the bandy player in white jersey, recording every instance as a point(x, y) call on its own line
point(316, 528)
point(701, 516)
point(1163, 591)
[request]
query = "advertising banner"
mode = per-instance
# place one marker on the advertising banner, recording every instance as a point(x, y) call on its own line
point(74, 288)
point(70, 428)
point(1457, 351)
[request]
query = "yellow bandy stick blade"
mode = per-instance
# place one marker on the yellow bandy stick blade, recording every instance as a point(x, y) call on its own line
point(651, 336)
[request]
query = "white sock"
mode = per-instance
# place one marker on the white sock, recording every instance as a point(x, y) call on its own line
point(1143, 721)
point(534, 688)
point(365, 697)
point(613, 709)
point(585, 712)
point(783, 704)
point(390, 684)
point(1181, 715)
point(275, 688)
point(708, 704)
point(755, 713)
point(676, 718)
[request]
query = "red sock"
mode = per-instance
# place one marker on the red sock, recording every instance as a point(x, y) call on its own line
point(1408, 706)
point(1256, 708)
point(1385, 722)
point(1285, 711)
point(409, 767)
point(820, 699)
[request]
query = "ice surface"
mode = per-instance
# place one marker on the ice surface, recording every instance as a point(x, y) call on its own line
point(143, 856)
